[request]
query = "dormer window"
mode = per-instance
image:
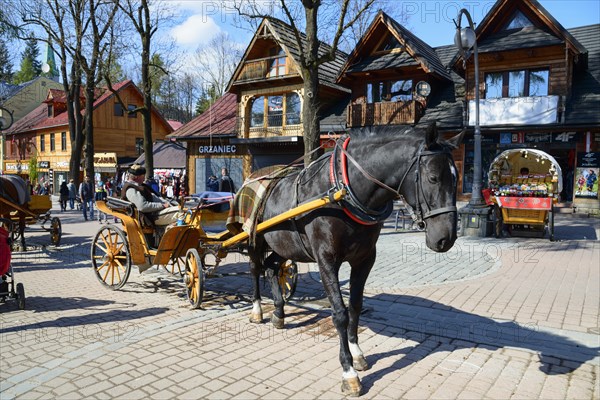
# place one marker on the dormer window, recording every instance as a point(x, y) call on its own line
point(277, 64)
point(50, 110)
point(518, 21)
point(520, 83)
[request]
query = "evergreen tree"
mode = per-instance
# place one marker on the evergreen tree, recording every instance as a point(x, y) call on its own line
point(207, 98)
point(6, 72)
point(31, 67)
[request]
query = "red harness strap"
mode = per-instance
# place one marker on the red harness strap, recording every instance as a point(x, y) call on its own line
point(346, 182)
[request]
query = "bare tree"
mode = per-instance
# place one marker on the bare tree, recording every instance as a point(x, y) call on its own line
point(216, 61)
point(146, 17)
point(310, 58)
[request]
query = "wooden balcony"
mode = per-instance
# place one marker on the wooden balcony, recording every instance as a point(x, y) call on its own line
point(384, 113)
point(272, 129)
point(264, 69)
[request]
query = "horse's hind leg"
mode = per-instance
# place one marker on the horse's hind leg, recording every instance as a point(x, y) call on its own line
point(329, 275)
point(272, 263)
point(256, 315)
point(358, 278)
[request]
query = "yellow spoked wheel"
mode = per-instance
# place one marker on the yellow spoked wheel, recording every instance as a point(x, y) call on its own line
point(55, 231)
point(175, 266)
point(194, 278)
point(110, 257)
point(288, 278)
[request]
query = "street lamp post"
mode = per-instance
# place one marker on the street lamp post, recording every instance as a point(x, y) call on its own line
point(474, 216)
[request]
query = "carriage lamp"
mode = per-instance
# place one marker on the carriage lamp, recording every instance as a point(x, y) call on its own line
point(474, 215)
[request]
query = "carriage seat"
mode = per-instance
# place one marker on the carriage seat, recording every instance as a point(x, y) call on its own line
point(126, 207)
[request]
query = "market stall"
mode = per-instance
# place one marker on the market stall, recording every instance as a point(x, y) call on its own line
point(524, 186)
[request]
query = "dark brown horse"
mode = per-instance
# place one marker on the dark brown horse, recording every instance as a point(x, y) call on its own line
point(376, 166)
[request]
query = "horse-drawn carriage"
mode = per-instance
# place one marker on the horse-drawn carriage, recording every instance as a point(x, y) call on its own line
point(524, 186)
point(23, 208)
point(330, 212)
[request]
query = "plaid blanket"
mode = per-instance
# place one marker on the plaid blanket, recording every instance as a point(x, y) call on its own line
point(248, 204)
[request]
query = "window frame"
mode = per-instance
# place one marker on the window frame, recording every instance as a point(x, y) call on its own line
point(42, 143)
point(52, 142)
point(63, 141)
point(505, 92)
point(268, 115)
point(385, 90)
point(139, 146)
point(131, 107)
point(118, 110)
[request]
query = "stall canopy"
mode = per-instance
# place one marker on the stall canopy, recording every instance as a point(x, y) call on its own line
point(167, 155)
point(538, 162)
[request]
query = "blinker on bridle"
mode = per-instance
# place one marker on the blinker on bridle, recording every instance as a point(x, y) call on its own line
point(361, 213)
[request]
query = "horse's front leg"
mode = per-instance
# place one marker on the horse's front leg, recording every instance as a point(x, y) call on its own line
point(256, 315)
point(329, 275)
point(358, 278)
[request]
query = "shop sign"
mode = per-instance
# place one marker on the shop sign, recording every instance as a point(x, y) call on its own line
point(62, 164)
point(108, 160)
point(17, 167)
point(505, 138)
point(220, 149)
point(44, 164)
point(538, 137)
point(565, 137)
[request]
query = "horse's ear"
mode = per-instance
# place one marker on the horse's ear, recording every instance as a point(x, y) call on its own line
point(431, 135)
point(455, 141)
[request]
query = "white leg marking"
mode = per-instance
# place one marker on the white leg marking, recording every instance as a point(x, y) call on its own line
point(351, 373)
point(355, 350)
point(256, 308)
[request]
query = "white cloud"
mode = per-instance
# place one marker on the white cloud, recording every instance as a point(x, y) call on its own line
point(195, 30)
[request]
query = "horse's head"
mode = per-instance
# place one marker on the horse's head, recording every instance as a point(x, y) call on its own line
point(433, 194)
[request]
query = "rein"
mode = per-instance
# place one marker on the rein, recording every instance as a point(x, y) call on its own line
point(360, 213)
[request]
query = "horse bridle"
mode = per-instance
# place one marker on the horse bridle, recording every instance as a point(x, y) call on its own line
point(361, 213)
point(417, 214)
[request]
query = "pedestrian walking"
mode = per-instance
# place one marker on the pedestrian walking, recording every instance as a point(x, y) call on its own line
point(86, 194)
point(72, 193)
point(64, 195)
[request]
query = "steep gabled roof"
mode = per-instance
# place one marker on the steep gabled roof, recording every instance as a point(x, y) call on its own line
point(219, 119)
point(283, 34)
point(38, 118)
point(417, 51)
point(166, 155)
point(546, 30)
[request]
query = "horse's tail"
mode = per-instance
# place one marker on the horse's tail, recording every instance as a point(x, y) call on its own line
point(258, 251)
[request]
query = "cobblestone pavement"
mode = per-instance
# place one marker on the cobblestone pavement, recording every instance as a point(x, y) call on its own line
point(510, 318)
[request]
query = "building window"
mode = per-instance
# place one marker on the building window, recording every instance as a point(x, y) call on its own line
point(394, 90)
point(119, 110)
point(139, 146)
point(52, 142)
point(520, 83)
point(50, 111)
point(274, 108)
point(63, 141)
point(292, 109)
point(518, 21)
point(130, 108)
point(277, 67)
point(42, 143)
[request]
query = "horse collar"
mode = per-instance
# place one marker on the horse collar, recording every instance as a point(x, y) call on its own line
point(339, 178)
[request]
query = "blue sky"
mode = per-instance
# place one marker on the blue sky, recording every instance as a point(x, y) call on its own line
point(431, 20)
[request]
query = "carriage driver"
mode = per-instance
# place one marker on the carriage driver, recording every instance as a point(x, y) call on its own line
point(159, 210)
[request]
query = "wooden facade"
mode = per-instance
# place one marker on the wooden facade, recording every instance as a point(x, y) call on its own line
point(44, 133)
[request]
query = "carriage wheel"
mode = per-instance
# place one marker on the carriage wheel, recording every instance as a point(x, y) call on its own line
point(194, 278)
point(175, 266)
point(288, 279)
point(55, 231)
point(110, 257)
point(20, 296)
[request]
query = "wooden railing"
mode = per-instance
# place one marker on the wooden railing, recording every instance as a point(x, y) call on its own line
point(260, 69)
point(384, 113)
point(274, 129)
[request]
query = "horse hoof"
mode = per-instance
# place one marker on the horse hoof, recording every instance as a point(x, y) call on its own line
point(256, 318)
point(360, 363)
point(277, 322)
point(351, 387)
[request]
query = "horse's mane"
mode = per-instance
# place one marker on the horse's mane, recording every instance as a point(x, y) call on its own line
point(383, 134)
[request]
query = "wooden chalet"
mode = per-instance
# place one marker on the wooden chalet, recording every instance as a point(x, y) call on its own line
point(44, 133)
point(539, 87)
point(268, 83)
